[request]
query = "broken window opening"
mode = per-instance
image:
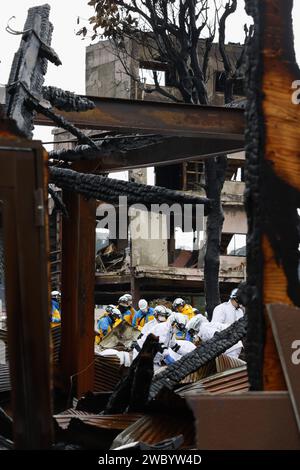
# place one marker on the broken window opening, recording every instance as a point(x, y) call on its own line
point(238, 84)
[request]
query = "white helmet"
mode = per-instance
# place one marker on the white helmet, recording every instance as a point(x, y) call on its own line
point(115, 313)
point(129, 298)
point(143, 305)
point(233, 294)
point(55, 293)
point(195, 322)
point(123, 300)
point(109, 308)
point(160, 313)
point(178, 302)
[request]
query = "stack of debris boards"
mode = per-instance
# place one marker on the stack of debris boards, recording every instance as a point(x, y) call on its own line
point(231, 380)
point(4, 367)
point(166, 419)
point(56, 339)
point(109, 368)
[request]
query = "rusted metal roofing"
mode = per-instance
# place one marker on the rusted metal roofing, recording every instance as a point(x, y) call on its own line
point(224, 362)
point(4, 378)
point(233, 380)
point(56, 339)
point(108, 372)
point(155, 428)
point(204, 371)
point(117, 421)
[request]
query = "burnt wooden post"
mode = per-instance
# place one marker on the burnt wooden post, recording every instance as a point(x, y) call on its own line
point(272, 182)
point(24, 216)
point(78, 281)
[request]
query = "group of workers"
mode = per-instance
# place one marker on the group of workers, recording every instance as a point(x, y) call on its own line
point(180, 329)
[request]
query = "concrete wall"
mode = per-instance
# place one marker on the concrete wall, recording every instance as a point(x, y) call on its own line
point(105, 75)
point(235, 220)
point(149, 242)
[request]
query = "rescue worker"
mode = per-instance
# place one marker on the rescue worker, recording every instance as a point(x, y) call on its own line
point(126, 309)
point(201, 330)
point(178, 322)
point(143, 315)
point(163, 327)
point(230, 311)
point(110, 320)
point(55, 307)
point(179, 305)
point(160, 316)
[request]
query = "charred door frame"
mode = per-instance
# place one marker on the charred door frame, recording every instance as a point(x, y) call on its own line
point(23, 179)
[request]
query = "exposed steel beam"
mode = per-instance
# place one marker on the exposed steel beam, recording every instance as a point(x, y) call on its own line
point(156, 117)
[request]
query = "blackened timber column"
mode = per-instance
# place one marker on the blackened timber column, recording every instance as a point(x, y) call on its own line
point(272, 182)
point(78, 279)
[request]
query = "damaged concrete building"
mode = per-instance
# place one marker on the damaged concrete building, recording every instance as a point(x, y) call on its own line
point(166, 264)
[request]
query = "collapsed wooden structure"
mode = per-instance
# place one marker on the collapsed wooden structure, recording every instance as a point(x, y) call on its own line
point(272, 199)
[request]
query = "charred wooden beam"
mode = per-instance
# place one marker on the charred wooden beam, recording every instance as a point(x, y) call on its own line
point(272, 182)
point(29, 67)
point(192, 361)
point(109, 190)
point(122, 115)
point(66, 100)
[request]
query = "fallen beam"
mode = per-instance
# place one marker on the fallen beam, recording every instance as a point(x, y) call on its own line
point(156, 117)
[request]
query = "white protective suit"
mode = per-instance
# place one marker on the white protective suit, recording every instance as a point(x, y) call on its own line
point(173, 348)
point(227, 313)
point(206, 330)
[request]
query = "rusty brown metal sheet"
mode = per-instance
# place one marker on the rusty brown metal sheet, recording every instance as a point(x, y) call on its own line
point(246, 421)
point(158, 117)
point(285, 322)
point(117, 421)
point(152, 429)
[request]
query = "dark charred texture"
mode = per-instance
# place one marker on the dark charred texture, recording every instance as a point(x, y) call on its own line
point(208, 350)
point(6, 444)
point(60, 121)
point(215, 173)
point(58, 203)
point(109, 190)
point(6, 425)
point(93, 402)
point(66, 100)
point(85, 435)
point(131, 393)
point(255, 142)
point(281, 225)
point(29, 67)
point(105, 147)
point(272, 183)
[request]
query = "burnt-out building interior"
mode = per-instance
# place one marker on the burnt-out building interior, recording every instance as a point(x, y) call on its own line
point(57, 396)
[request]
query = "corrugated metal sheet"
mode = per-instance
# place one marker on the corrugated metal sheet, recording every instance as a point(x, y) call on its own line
point(108, 372)
point(224, 362)
point(4, 378)
point(4, 367)
point(155, 428)
point(204, 371)
point(233, 380)
point(117, 421)
point(56, 340)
